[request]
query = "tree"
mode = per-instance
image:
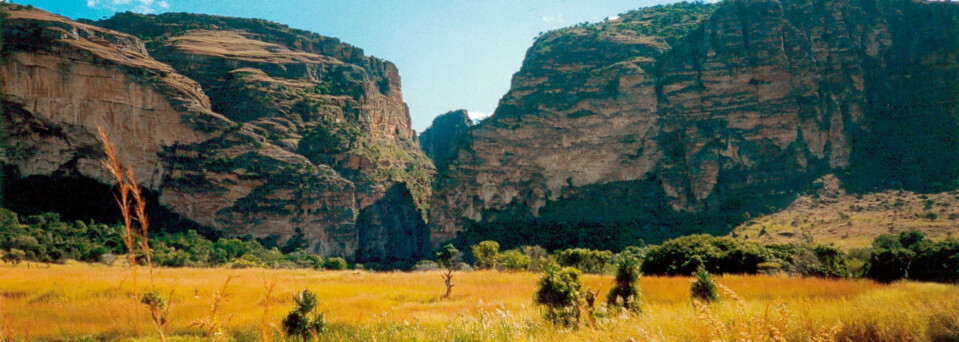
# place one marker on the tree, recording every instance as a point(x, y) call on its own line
point(448, 257)
point(625, 291)
point(559, 293)
point(889, 265)
point(303, 321)
point(485, 253)
point(704, 287)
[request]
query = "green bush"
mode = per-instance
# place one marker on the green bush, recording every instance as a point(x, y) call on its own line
point(335, 263)
point(558, 293)
point(832, 261)
point(485, 254)
point(513, 260)
point(703, 287)
point(587, 260)
point(625, 292)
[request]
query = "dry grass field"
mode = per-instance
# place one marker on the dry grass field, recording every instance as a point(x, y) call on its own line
point(95, 302)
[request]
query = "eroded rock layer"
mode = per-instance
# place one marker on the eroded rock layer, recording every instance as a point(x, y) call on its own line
point(684, 117)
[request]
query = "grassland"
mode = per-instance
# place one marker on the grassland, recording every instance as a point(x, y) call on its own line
point(86, 301)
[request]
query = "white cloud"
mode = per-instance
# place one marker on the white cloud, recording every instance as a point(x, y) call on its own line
point(140, 6)
point(553, 20)
point(477, 116)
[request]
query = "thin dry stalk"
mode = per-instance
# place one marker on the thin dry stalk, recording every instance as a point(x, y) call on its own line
point(140, 211)
point(265, 335)
point(212, 325)
point(112, 165)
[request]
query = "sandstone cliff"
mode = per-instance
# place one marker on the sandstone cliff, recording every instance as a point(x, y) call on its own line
point(244, 126)
point(682, 118)
point(439, 140)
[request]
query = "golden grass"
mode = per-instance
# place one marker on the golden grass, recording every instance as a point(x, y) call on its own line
point(62, 301)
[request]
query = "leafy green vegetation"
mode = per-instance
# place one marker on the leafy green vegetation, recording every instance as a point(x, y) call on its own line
point(703, 287)
point(304, 322)
point(684, 255)
point(400, 162)
point(485, 254)
point(558, 293)
point(46, 238)
point(625, 291)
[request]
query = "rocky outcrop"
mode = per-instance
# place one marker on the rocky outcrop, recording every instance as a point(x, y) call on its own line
point(439, 140)
point(680, 118)
point(299, 133)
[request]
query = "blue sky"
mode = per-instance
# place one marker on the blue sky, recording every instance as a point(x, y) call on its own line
point(451, 54)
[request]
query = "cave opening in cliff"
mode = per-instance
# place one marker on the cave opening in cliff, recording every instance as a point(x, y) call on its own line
point(77, 197)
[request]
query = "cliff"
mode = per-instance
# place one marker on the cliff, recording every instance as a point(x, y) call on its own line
point(684, 118)
point(440, 139)
point(239, 125)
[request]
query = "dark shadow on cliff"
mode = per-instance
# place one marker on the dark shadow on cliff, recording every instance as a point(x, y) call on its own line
point(392, 233)
point(912, 105)
point(77, 197)
point(615, 215)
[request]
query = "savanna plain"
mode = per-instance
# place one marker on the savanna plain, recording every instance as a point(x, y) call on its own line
point(97, 302)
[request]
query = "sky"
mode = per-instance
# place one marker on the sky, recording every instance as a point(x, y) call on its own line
point(451, 54)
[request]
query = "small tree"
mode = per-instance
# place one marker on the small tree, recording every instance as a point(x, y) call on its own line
point(558, 293)
point(703, 288)
point(303, 321)
point(448, 257)
point(625, 291)
point(485, 253)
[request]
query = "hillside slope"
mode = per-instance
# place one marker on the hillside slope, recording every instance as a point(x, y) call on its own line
point(829, 214)
point(681, 118)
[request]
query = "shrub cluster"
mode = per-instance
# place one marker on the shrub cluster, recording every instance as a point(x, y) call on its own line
point(47, 238)
point(685, 255)
point(911, 256)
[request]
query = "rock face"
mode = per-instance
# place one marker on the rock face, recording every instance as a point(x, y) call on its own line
point(683, 117)
point(440, 139)
point(244, 126)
